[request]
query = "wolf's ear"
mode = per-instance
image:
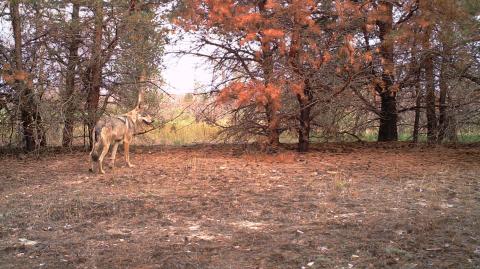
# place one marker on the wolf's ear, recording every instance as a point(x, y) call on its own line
point(140, 99)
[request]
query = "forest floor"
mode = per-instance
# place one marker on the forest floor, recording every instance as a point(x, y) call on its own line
point(339, 206)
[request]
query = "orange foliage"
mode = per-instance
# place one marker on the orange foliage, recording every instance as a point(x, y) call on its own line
point(249, 18)
point(255, 91)
point(368, 56)
point(11, 76)
point(298, 88)
point(272, 4)
point(349, 46)
point(244, 97)
point(326, 57)
point(274, 33)
point(261, 100)
point(423, 22)
point(287, 26)
point(9, 79)
point(249, 37)
point(20, 75)
point(370, 27)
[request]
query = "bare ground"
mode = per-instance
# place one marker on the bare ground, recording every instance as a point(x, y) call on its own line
point(340, 206)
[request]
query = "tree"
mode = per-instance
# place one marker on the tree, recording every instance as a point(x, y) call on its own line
point(22, 85)
point(388, 113)
point(93, 73)
point(271, 51)
point(72, 64)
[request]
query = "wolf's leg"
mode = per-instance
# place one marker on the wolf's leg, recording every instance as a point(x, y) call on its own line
point(114, 154)
point(126, 147)
point(91, 162)
point(91, 165)
point(106, 147)
point(92, 152)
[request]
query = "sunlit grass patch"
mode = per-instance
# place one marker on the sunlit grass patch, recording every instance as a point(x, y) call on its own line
point(183, 131)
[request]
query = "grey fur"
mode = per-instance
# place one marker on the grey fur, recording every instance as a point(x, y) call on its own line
point(114, 130)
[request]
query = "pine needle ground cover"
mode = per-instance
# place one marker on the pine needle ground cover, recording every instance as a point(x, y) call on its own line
point(339, 206)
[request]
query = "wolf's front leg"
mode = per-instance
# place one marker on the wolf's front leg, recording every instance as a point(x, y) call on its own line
point(92, 158)
point(91, 164)
point(106, 147)
point(126, 147)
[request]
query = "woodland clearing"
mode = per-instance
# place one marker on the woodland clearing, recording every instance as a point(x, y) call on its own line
point(220, 206)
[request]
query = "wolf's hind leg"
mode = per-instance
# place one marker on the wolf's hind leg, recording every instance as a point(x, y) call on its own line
point(114, 154)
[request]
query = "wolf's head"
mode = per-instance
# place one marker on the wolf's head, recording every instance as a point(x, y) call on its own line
point(145, 118)
point(141, 115)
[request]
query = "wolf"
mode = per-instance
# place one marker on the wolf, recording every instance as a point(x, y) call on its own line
point(114, 130)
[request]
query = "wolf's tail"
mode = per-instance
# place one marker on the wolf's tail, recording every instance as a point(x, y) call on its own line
point(96, 144)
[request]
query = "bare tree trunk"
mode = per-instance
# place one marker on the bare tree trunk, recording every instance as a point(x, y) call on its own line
point(388, 113)
point(69, 102)
point(26, 101)
point(304, 119)
point(418, 91)
point(94, 71)
point(135, 11)
point(388, 118)
point(41, 133)
point(273, 121)
point(305, 98)
point(442, 121)
point(418, 103)
point(451, 123)
point(430, 87)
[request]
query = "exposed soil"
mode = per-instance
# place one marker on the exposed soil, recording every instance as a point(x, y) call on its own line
point(340, 206)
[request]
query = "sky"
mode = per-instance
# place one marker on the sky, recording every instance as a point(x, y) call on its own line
point(182, 74)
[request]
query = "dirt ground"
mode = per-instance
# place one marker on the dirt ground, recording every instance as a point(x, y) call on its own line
point(340, 206)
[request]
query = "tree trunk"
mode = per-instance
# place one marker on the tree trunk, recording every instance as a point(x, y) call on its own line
point(94, 71)
point(451, 130)
point(27, 123)
point(135, 10)
point(273, 132)
point(41, 136)
point(26, 101)
point(451, 123)
point(430, 87)
point(41, 133)
point(271, 110)
point(305, 97)
point(430, 102)
point(388, 117)
point(418, 103)
point(388, 113)
point(304, 120)
point(69, 98)
point(442, 121)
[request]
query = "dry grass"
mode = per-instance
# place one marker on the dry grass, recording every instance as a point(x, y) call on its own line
point(341, 206)
point(182, 132)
